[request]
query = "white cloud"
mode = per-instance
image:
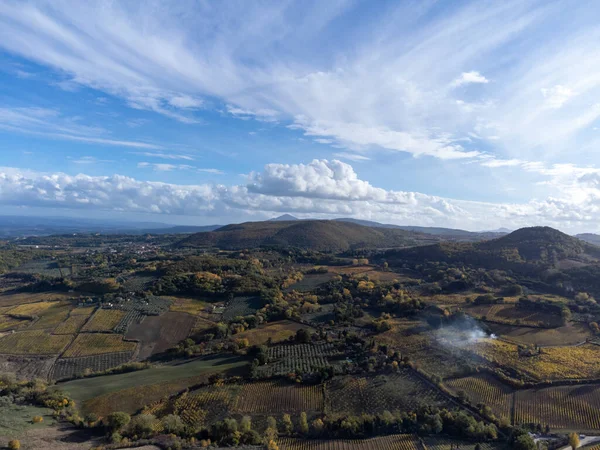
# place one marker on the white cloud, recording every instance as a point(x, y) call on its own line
point(163, 155)
point(351, 156)
point(470, 78)
point(322, 188)
point(557, 96)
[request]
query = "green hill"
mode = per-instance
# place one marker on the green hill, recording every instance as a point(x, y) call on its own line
point(526, 247)
point(321, 235)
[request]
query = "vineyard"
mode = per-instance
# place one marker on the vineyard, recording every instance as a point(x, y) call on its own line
point(12, 323)
point(403, 391)
point(51, 317)
point(392, 442)
point(72, 367)
point(35, 342)
point(150, 306)
point(278, 397)
point(72, 325)
point(241, 306)
point(435, 443)
point(276, 331)
point(509, 314)
point(32, 309)
point(97, 344)
point(285, 359)
point(485, 389)
point(563, 407)
point(133, 316)
point(137, 282)
point(104, 320)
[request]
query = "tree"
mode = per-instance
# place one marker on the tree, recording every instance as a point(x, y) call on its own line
point(117, 420)
point(524, 442)
point(272, 445)
point(318, 426)
point(172, 424)
point(574, 440)
point(303, 424)
point(303, 336)
point(287, 424)
point(246, 424)
point(90, 419)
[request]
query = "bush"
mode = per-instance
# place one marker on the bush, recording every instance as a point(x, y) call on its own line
point(38, 419)
point(14, 445)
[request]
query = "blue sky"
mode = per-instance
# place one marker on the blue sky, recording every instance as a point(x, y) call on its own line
point(476, 115)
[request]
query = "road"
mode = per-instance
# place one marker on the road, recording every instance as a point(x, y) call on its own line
point(585, 441)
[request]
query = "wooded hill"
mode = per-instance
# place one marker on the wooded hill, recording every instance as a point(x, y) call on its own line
point(320, 235)
point(526, 247)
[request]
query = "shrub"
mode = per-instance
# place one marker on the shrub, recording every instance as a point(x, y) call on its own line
point(38, 419)
point(14, 445)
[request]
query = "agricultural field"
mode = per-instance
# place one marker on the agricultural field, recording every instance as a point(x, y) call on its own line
point(130, 317)
point(484, 388)
point(509, 314)
point(72, 325)
point(278, 397)
point(22, 298)
point(104, 320)
point(571, 334)
point(285, 359)
point(310, 282)
point(392, 442)
point(44, 267)
point(553, 363)
point(561, 407)
point(436, 443)
point(137, 282)
point(12, 323)
point(52, 317)
point(402, 391)
point(36, 342)
point(132, 391)
point(73, 367)
point(189, 306)
point(276, 331)
point(88, 344)
point(32, 309)
point(242, 306)
point(159, 333)
point(27, 367)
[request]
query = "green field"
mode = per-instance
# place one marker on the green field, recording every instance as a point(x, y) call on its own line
point(86, 389)
point(15, 419)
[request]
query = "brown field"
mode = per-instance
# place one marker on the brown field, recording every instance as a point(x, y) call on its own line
point(372, 394)
point(88, 344)
point(568, 335)
point(159, 333)
point(72, 325)
point(26, 297)
point(189, 305)
point(27, 367)
point(483, 388)
point(104, 320)
point(35, 342)
point(201, 325)
point(277, 331)
point(83, 311)
point(349, 270)
point(562, 407)
point(508, 313)
point(392, 442)
point(278, 397)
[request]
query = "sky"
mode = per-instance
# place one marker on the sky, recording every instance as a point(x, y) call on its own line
point(463, 114)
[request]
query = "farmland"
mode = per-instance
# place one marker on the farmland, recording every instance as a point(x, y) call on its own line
point(310, 282)
point(392, 442)
point(88, 344)
point(33, 343)
point(562, 407)
point(373, 394)
point(72, 324)
point(566, 335)
point(278, 397)
point(241, 306)
point(485, 389)
point(73, 367)
point(12, 323)
point(104, 320)
point(285, 359)
point(275, 331)
point(510, 314)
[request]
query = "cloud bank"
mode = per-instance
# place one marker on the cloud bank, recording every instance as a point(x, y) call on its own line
point(321, 188)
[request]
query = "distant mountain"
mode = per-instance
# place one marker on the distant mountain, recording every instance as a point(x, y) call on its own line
point(590, 238)
point(526, 247)
point(322, 235)
point(284, 218)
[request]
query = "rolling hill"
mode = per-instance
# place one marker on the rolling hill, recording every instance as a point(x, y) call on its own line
point(526, 247)
point(322, 235)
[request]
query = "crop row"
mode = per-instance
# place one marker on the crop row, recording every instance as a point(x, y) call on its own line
point(322, 349)
point(129, 318)
point(104, 320)
point(73, 367)
point(392, 442)
point(485, 389)
point(88, 344)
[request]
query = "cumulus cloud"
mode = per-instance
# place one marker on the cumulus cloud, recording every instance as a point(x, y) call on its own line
point(470, 78)
point(321, 188)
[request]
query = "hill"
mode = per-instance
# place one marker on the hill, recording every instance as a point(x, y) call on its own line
point(526, 247)
point(283, 218)
point(590, 238)
point(321, 235)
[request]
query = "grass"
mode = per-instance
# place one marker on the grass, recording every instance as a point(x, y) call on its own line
point(187, 305)
point(98, 344)
point(36, 342)
point(567, 335)
point(32, 309)
point(104, 320)
point(16, 420)
point(277, 331)
point(131, 391)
